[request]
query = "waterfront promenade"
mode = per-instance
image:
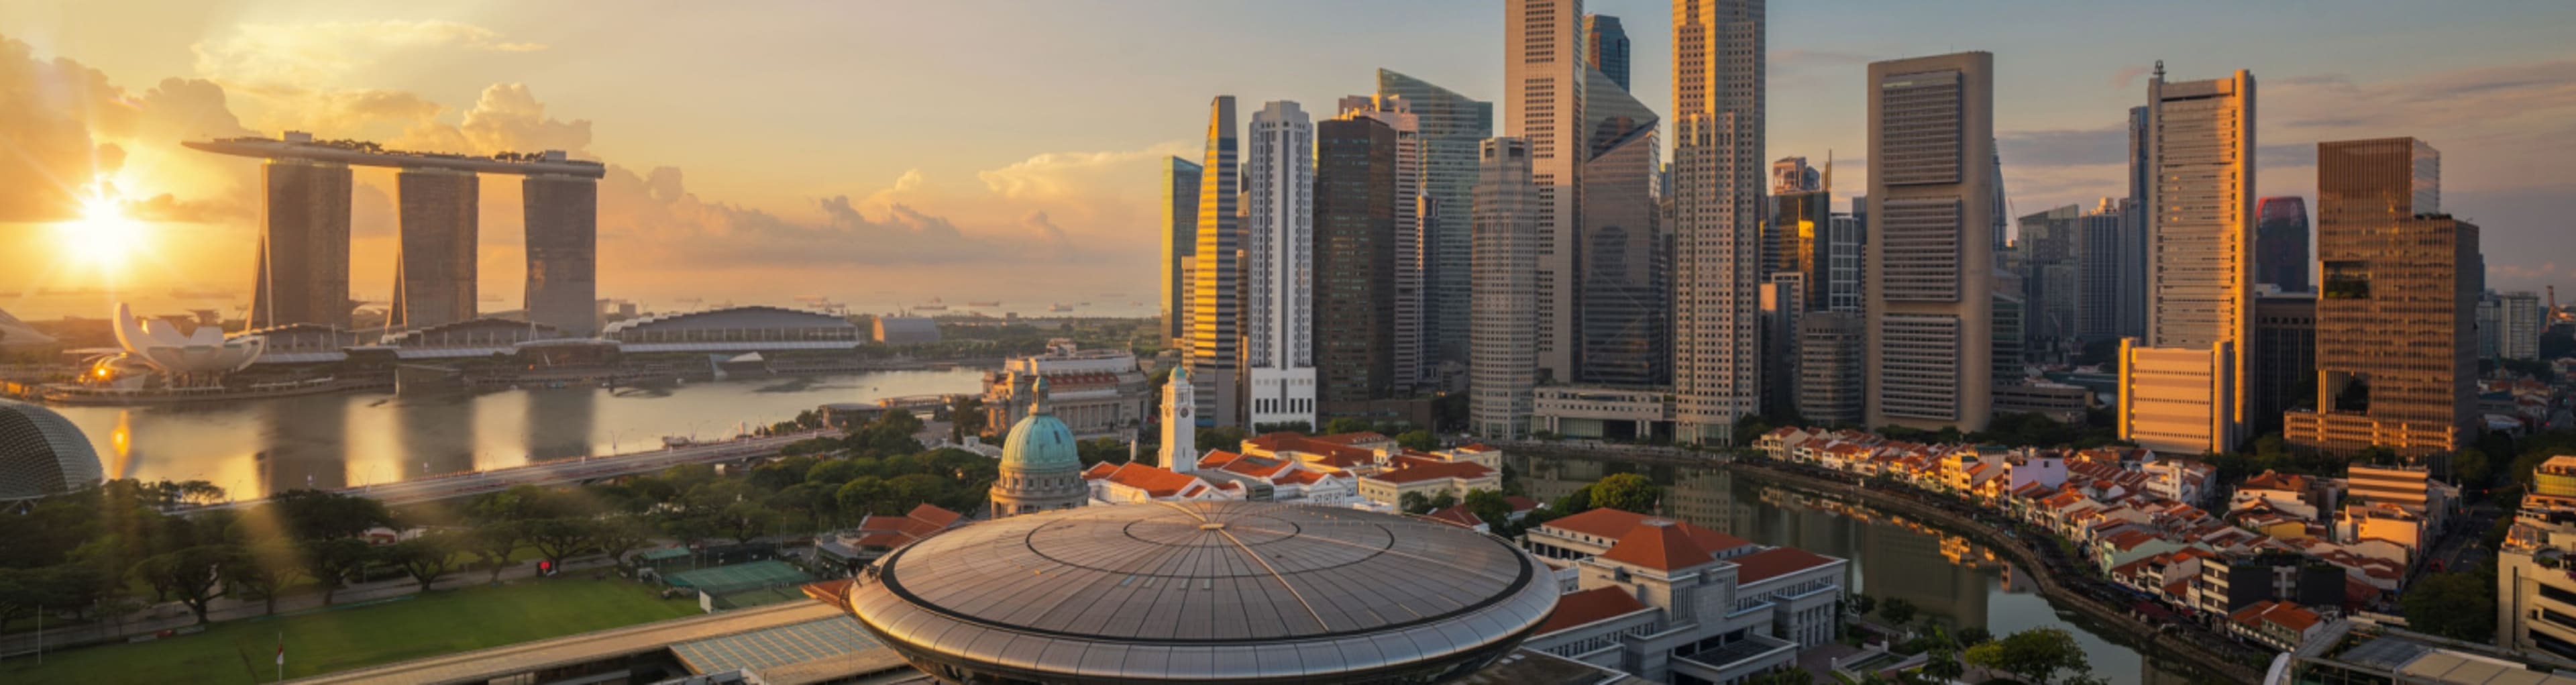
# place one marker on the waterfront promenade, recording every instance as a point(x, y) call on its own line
point(561, 471)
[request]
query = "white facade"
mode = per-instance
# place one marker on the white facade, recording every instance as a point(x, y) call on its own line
point(1543, 83)
point(1279, 239)
point(1503, 364)
point(1718, 183)
point(1180, 423)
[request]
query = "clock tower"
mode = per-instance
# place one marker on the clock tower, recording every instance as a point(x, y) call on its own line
point(1180, 423)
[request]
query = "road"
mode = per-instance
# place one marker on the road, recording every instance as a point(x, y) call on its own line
point(564, 471)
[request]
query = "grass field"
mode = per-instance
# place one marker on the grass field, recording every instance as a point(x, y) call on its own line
point(245, 651)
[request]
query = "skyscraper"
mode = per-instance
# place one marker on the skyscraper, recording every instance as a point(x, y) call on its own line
point(1216, 336)
point(1606, 44)
point(2050, 285)
point(2285, 356)
point(1409, 248)
point(2396, 360)
point(1624, 311)
point(2200, 242)
point(434, 276)
point(1180, 245)
point(303, 245)
point(562, 215)
point(1279, 266)
point(2133, 265)
point(1543, 84)
point(1829, 368)
point(1453, 128)
point(2281, 243)
point(1505, 367)
point(2102, 245)
point(1718, 58)
point(1931, 263)
point(1794, 231)
point(1846, 244)
point(2524, 321)
point(1355, 258)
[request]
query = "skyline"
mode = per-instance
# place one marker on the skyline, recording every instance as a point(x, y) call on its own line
point(721, 183)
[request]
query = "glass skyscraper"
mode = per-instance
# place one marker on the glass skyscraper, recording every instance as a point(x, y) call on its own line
point(1453, 125)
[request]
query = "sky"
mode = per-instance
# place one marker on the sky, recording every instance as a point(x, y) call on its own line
point(883, 153)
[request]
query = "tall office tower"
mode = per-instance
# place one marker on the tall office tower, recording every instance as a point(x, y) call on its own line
point(2102, 244)
point(1931, 266)
point(1782, 302)
point(1354, 260)
point(1216, 290)
point(1846, 242)
point(304, 245)
point(2050, 289)
point(2281, 243)
point(1606, 45)
point(2010, 316)
point(1411, 237)
point(434, 274)
point(2524, 321)
point(1830, 382)
point(1453, 128)
point(2200, 267)
point(2285, 356)
point(1718, 58)
point(2490, 325)
point(1794, 230)
point(1624, 319)
point(1279, 266)
point(2396, 360)
point(1180, 245)
point(562, 213)
point(2133, 268)
point(1543, 84)
point(1505, 368)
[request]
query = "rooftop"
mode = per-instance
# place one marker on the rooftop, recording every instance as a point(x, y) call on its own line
point(1588, 606)
point(300, 146)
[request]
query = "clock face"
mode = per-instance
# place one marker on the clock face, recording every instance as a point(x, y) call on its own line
point(1185, 412)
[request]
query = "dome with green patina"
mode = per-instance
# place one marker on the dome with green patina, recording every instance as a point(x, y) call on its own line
point(1040, 442)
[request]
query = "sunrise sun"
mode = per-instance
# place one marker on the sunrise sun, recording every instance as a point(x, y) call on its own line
point(104, 237)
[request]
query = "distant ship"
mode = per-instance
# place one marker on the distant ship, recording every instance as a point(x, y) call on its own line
point(1059, 307)
point(986, 303)
point(934, 306)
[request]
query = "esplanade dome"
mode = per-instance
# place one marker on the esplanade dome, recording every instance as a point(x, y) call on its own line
point(1204, 592)
point(42, 453)
point(1041, 442)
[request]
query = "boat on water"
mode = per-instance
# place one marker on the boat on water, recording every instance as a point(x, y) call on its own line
point(1059, 307)
point(934, 306)
point(986, 303)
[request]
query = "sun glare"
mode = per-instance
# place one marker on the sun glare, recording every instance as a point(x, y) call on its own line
point(104, 237)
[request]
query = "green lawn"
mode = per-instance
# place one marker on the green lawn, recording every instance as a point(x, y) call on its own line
point(245, 651)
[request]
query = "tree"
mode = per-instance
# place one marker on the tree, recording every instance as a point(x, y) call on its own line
point(1943, 665)
point(560, 538)
point(1413, 503)
point(1490, 506)
point(617, 535)
point(1625, 492)
point(1863, 604)
point(2470, 468)
point(494, 542)
point(1896, 610)
point(1785, 675)
point(316, 515)
point(1220, 438)
point(331, 562)
point(1443, 500)
point(2459, 605)
point(2036, 655)
point(1972, 636)
point(426, 557)
point(860, 495)
point(1346, 424)
point(194, 574)
point(1418, 440)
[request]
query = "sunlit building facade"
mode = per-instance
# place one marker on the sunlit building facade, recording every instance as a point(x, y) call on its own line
point(1279, 266)
point(2396, 349)
point(1717, 178)
point(1453, 126)
point(2200, 258)
point(1215, 331)
point(1543, 98)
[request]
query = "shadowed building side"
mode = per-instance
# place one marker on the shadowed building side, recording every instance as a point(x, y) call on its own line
point(303, 245)
point(434, 275)
point(563, 252)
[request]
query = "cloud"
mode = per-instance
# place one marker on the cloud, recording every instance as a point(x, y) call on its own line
point(2107, 145)
point(325, 54)
point(1057, 175)
point(2127, 77)
point(68, 132)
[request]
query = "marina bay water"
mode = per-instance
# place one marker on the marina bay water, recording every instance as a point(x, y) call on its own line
point(1944, 575)
point(258, 447)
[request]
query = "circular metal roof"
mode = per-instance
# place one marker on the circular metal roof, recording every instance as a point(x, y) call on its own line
point(1204, 591)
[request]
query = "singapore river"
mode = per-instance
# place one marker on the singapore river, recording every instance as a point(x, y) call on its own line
point(1940, 573)
point(253, 448)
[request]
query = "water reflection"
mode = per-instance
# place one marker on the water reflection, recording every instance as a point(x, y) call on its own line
point(254, 448)
point(1944, 575)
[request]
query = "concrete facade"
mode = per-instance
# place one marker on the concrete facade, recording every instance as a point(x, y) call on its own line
point(1279, 267)
point(1543, 100)
point(1505, 365)
point(1718, 178)
point(1931, 170)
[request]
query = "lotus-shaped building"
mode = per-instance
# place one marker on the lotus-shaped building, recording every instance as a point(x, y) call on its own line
point(158, 344)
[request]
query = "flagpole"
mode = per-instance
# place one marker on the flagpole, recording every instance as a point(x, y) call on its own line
point(281, 656)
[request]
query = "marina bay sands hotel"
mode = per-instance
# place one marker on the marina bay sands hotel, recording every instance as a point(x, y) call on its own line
point(304, 241)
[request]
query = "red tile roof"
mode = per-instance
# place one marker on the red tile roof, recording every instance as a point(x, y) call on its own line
point(1154, 480)
point(1588, 606)
point(1416, 474)
point(833, 592)
point(1659, 544)
point(1457, 516)
point(1613, 524)
point(934, 515)
point(1776, 562)
point(1519, 503)
point(1335, 454)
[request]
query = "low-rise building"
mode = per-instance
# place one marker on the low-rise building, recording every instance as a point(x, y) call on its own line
point(1673, 602)
point(1430, 480)
point(1595, 411)
point(1097, 393)
point(1134, 482)
point(2279, 625)
point(2536, 574)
